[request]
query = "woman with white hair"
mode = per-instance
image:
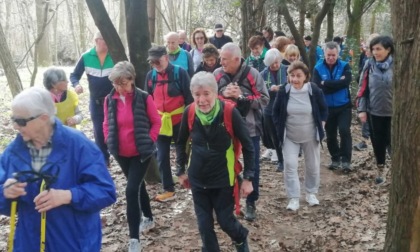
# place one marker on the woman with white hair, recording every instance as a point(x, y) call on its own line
point(57, 178)
point(131, 128)
point(210, 168)
point(272, 76)
point(66, 101)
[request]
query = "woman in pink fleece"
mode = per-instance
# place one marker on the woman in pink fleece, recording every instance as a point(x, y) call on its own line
point(131, 127)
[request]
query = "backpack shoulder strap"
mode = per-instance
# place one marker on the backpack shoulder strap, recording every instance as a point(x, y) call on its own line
point(227, 118)
point(154, 79)
point(191, 116)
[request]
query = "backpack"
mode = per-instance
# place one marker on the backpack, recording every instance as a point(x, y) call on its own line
point(175, 78)
point(237, 149)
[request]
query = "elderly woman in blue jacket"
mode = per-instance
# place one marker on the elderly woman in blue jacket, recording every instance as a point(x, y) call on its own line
point(299, 113)
point(54, 171)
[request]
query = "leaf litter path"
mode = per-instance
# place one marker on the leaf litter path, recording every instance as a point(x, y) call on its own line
point(351, 215)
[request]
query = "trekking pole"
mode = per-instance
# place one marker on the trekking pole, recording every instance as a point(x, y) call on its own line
point(43, 220)
point(12, 225)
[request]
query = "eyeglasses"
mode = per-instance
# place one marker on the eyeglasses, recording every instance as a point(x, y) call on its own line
point(119, 83)
point(23, 121)
point(154, 62)
point(199, 38)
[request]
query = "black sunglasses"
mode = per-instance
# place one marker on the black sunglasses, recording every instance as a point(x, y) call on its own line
point(23, 121)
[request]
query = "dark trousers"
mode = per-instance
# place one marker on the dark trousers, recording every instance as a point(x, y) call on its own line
point(380, 136)
point(138, 200)
point(271, 136)
point(365, 130)
point(221, 201)
point(163, 158)
point(254, 195)
point(339, 118)
point(96, 108)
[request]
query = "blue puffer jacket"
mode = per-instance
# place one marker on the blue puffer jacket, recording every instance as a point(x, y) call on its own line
point(336, 82)
point(80, 168)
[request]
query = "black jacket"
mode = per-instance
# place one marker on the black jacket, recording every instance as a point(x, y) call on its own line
point(219, 42)
point(208, 164)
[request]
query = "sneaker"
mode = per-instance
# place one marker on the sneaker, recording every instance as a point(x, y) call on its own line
point(346, 167)
point(166, 196)
point(266, 155)
point(360, 146)
point(134, 245)
point(335, 165)
point(146, 224)
point(293, 204)
point(311, 199)
point(250, 214)
point(242, 247)
point(381, 178)
point(280, 166)
point(274, 157)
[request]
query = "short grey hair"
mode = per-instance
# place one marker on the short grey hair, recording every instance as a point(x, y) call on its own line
point(233, 49)
point(122, 70)
point(271, 56)
point(52, 76)
point(36, 101)
point(332, 45)
point(204, 79)
point(97, 35)
point(169, 35)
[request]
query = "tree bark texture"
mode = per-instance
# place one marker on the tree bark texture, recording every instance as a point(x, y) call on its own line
point(82, 24)
point(330, 22)
point(43, 45)
point(122, 24)
point(108, 31)
point(151, 13)
point(10, 70)
point(403, 225)
point(138, 37)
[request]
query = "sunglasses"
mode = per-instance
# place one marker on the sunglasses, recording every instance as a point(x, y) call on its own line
point(23, 121)
point(154, 62)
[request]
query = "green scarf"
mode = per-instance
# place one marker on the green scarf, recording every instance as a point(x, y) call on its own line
point(207, 119)
point(176, 51)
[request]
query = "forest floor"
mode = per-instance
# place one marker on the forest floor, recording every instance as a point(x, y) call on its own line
point(351, 215)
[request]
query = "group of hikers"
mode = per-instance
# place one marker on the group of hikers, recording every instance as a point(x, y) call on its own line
point(210, 102)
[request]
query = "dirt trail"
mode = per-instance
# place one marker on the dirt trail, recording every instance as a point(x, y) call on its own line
point(351, 215)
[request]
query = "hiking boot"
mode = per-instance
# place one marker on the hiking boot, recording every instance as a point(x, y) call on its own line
point(266, 155)
point(335, 165)
point(346, 167)
point(134, 245)
point(146, 224)
point(250, 214)
point(293, 204)
point(280, 166)
point(311, 199)
point(274, 157)
point(381, 178)
point(166, 196)
point(360, 146)
point(242, 247)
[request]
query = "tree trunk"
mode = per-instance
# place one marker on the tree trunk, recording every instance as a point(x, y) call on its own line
point(151, 13)
point(10, 70)
point(122, 24)
point(330, 22)
point(108, 31)
point(82, 24)
point(43, 46)
point(302, 17)
point(403, 225)
point(54, 37)
point(159, 25)
point(138, 38)
point(75, 50)
point(279, 28)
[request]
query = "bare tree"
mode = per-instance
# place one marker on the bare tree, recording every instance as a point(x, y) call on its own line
point(403, 225)
point(151, 13)
point(122, 24)
point(43, 46)
point(10, 70)
point(82, 24)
